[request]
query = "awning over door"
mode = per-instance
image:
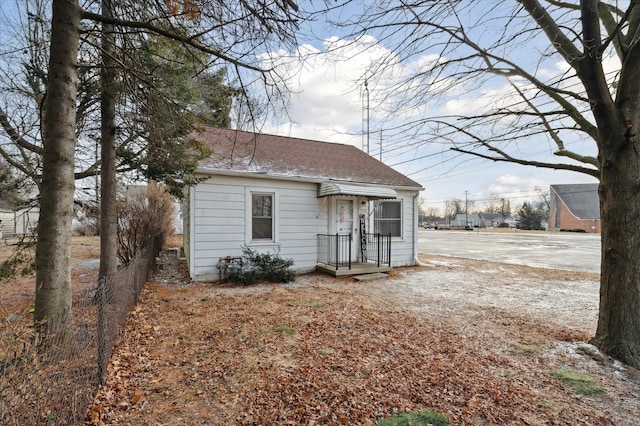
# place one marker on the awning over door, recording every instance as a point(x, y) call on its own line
point(328, 189)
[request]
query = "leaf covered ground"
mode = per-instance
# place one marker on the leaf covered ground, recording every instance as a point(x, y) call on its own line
point(325, 351)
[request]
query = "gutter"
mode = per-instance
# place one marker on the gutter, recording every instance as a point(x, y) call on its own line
point(415, 235)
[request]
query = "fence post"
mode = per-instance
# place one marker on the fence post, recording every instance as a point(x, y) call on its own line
point(136, 283)
point(378, 244)
point(102, 352)
point(389, 248)
point(350, 237)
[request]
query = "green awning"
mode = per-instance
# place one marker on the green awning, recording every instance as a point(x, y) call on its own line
point(331, 189)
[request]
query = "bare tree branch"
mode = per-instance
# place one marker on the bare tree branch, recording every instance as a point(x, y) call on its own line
point(508, 159)
point(15, 136)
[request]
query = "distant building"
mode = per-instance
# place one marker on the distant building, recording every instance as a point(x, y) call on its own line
point(463, 219)
point(491, 220)
point(17, 222)
point(511, 221)
point(575, 207)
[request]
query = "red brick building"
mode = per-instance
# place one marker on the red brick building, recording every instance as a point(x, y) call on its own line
point(575, 207)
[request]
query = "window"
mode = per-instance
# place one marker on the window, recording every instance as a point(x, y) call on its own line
point(261, 216)
point(387, 218)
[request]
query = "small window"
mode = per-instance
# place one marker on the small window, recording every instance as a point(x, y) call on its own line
point(387, 218)
point(261, 216)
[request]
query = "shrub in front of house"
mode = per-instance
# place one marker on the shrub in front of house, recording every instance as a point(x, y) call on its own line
point(255, 267)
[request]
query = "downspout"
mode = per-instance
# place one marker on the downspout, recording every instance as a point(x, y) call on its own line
point(415, 234)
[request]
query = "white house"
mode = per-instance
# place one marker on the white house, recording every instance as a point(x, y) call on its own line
point(324, 205)
point(463, 219)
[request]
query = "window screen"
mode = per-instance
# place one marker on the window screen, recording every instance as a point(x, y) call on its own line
point(387, 218)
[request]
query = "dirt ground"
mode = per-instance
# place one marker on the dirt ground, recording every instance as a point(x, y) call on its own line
point(17, 294)
point(475, 341)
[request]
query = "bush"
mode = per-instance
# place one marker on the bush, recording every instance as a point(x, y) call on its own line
point(255, 267)
point(143, 215)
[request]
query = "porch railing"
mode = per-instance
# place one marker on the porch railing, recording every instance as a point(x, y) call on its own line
point(379, 249)
point(335, 250)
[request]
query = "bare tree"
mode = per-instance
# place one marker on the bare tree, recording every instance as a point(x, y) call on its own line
point(432, 213)
point(505, 207)
point(452, 207)
point(553, 75)
point(492, 204)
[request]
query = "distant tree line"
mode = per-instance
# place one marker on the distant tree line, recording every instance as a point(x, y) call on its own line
point(531, 215)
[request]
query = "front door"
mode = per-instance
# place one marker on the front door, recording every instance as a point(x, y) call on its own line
point(346, 221)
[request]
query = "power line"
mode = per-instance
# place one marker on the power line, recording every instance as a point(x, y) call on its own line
point(505, 195)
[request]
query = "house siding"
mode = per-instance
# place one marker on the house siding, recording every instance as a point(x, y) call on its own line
point(219, 216)
point(218, 227)
point(403, 250)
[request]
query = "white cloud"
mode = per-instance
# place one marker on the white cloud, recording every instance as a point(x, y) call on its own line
point(512, 183)
point(327, 87)
point(517, 187)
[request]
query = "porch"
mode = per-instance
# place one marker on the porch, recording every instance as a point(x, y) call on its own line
point(335, 254)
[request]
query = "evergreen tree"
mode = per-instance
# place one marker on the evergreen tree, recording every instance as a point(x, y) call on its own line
point(530, 218)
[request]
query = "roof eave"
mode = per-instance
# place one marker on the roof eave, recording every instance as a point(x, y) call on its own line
point(307, 179)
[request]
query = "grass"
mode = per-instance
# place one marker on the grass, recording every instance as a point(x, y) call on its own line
point(286, 330)
point(578, 382)
point(422, 418)
point(325, 351)
point(521, 349)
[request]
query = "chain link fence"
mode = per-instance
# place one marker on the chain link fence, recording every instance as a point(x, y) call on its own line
point(52, 379)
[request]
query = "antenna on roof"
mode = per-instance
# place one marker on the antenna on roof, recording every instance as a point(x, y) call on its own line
point(365, 117)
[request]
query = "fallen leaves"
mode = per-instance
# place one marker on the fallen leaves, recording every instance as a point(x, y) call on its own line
point(355, 357)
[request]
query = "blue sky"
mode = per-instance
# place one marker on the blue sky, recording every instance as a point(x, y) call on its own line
point(328, 104)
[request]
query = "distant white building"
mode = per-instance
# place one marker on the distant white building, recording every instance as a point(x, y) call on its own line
point(17, 222)
point(463, 219)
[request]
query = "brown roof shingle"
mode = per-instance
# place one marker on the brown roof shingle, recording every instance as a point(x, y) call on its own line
point(281, 156)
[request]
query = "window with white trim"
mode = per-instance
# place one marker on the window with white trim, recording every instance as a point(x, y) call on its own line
point(262, 225)
point(387, 218)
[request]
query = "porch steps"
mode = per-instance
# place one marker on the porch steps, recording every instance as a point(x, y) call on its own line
point(356, 269)
point(368, 277)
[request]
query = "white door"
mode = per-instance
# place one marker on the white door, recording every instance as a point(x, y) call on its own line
point(346, 221)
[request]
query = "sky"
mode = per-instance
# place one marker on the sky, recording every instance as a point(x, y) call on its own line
point(329, 104)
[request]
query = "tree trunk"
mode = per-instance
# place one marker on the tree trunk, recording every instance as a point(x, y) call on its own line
point(618, 332)
point(53, 266)
point(108, 212)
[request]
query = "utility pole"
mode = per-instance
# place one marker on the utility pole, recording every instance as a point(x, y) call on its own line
point(466, 209)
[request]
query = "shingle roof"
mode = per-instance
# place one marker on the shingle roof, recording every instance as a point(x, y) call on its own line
point(282, 156)
point(581, 199)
